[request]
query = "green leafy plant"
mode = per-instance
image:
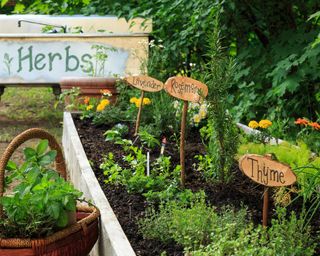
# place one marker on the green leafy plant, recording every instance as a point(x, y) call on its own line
point(223, 142)
point(148, 139)
point(41, 201)
point(69, 99)
point(116, 133)
point(191, 225)
point(284, 238)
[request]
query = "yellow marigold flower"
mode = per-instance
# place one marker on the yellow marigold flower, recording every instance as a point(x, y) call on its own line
point(265, 124)
point(138, 101)
point(105, 102)
point(253, 124)
point(100, 107)
point(146, 101)
point(196, 118)
point(89, 107)
point(133, 100)
point(86, 100)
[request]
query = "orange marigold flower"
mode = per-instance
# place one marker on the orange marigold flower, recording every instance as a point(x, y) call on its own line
point(302, 121)
point(86, 100)
point(314, 125)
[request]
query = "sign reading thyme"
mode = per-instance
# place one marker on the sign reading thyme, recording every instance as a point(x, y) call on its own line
point(266, 171)
point(145, 83)
point(186, 88)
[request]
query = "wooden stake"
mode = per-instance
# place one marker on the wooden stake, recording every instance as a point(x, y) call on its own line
point(265, 207)
point(182, 142)
point(139, 114)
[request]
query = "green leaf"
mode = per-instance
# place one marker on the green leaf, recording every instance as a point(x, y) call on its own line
point(62, 220)
point(71, 205)
point(48, 158)
point(42, 147)
point(29, 153)
point(11, 166)
point(4, 2)
point(54, 210)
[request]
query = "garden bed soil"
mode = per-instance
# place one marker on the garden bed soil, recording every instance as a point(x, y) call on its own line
point(129, 207)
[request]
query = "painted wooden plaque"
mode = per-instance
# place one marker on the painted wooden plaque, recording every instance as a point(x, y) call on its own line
point(145, 83)
point(266, 171)
point(186, 88)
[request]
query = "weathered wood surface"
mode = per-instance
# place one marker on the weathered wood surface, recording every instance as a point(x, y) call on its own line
point(186, 88)
point(145, 83)
point(266, 171)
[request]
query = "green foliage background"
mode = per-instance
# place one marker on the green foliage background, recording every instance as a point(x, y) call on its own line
point(275, 45)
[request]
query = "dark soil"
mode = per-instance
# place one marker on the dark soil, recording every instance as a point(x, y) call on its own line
point(129, 207)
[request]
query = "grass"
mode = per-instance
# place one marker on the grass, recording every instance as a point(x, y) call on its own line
point(23, 108)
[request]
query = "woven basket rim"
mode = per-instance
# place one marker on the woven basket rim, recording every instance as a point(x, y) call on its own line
point(79, 225)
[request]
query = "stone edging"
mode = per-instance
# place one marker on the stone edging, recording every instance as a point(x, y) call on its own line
point(112, 240)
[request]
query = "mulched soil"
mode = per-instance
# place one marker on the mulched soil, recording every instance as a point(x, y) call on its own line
point(129, 207)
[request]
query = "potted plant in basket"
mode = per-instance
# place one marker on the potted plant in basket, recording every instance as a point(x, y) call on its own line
point(39, 216)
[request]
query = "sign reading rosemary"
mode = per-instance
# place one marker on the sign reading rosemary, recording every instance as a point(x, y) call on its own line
point(186, 88)
point(49, 61)
point(266, 171)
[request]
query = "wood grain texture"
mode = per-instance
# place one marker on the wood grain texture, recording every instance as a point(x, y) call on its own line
point(186, 88)
point(266, 171)
point(145, 83)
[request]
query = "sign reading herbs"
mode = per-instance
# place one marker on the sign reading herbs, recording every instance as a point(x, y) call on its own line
point(143, 83)
point(268, 172)
point(186, 89)
point(33, 61)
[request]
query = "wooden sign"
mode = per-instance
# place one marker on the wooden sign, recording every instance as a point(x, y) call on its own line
point(186, 88)
point(266, 171)
point(145, 83)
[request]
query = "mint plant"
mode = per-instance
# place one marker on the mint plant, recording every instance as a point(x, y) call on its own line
point(41, 201)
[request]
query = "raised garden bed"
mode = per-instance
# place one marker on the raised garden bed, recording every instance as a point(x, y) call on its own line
point(129, 207)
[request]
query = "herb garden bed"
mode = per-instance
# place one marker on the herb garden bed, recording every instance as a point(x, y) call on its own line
point(130, 207)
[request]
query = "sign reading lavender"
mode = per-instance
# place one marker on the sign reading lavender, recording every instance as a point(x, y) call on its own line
point(37, 61)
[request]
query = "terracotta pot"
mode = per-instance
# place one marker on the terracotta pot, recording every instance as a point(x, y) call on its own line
point(91, 86)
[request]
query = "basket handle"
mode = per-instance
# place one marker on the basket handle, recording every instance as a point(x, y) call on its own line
point(33, 133)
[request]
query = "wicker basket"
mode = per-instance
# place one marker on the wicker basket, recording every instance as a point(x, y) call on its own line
point(75, 240)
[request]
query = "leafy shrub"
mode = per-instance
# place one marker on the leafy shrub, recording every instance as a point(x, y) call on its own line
point(190, 225)
point(223, 136)
point(284, 238)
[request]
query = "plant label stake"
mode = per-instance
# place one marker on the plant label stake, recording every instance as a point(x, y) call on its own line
point(145, 84)
point(186, 89)
point(148, 163)
point(268, 172)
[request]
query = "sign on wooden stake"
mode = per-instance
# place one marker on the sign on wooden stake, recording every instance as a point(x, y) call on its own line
point(145, 84)
point(186, 89)
point(268, 172)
